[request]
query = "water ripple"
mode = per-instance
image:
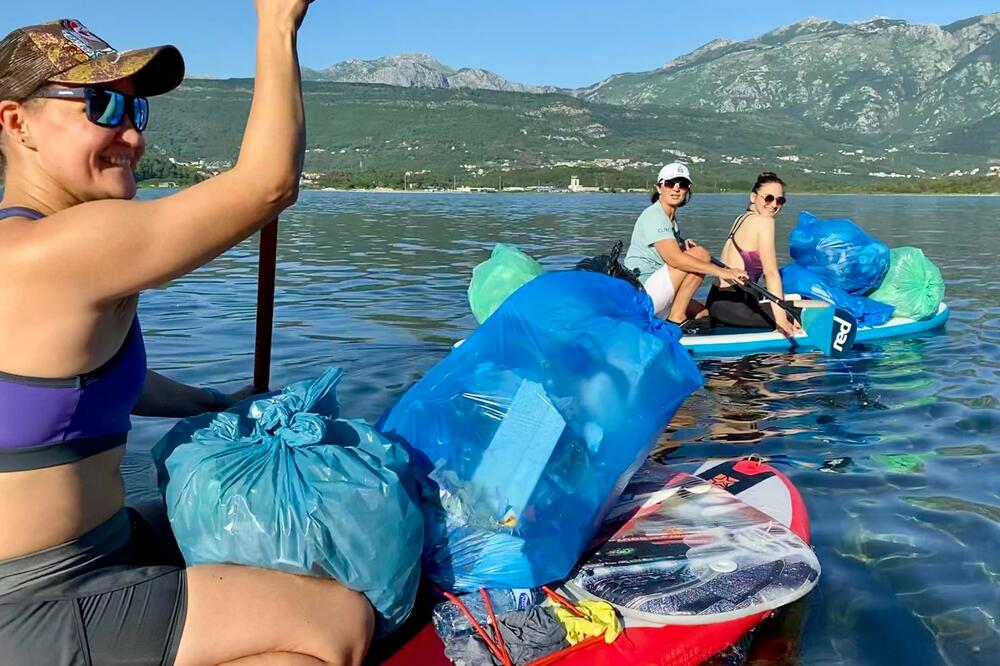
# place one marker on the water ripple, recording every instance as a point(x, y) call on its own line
point(895, 448)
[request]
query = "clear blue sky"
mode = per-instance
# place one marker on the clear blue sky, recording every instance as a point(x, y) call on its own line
point(555, 42)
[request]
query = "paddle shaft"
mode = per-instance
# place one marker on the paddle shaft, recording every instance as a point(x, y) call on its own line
point(265, 307)
point(755, 288)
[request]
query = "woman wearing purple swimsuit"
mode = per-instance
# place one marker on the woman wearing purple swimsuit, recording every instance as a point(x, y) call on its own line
point(80, 580)
point(750, 246)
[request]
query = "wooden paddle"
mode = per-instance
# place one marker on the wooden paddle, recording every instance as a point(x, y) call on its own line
point(265, 307)
point(830, 329)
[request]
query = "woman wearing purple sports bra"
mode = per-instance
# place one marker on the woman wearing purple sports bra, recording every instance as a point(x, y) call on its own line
point(83, 580)
point(750, 246)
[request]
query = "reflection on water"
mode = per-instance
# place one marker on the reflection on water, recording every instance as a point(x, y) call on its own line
point(894, 447)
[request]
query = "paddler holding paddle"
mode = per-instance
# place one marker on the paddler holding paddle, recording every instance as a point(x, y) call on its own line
point(743, 303)
point(750, 246)
point(671, 267)
point(80, 582)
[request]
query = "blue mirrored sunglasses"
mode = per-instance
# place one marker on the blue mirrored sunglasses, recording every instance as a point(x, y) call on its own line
point(107, 108)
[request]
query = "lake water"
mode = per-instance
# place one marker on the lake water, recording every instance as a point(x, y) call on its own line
point(376, 283)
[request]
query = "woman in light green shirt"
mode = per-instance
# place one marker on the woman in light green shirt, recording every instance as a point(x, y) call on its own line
point(670, 267)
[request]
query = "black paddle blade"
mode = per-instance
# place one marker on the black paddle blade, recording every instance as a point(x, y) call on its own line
point(845, 329)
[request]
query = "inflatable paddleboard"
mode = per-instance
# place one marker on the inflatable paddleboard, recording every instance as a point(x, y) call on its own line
point(692, 553)
point(757, 487)
point(736, 342)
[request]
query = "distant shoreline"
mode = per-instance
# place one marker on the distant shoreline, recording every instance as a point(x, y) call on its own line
point(386, 190)
point(644, 193)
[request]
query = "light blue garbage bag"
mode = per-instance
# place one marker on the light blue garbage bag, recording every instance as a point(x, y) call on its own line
point(281, 483)
point(840, 252)
point(526, 432)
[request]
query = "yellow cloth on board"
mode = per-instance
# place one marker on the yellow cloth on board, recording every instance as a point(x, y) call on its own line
point(601, 619)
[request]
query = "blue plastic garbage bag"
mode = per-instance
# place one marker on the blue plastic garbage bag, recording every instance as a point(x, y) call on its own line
point(282, 483)
point(526, 431)
point(867, 312)
point(840, 252)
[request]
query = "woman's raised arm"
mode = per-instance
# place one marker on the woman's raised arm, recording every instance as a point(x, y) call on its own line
point(112, 248)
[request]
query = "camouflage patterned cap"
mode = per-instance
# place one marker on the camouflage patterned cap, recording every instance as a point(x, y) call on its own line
point(66, 52)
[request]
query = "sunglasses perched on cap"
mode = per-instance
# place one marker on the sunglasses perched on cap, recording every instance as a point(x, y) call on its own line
point(770, 198)
point(107, 108)
point(683, 183)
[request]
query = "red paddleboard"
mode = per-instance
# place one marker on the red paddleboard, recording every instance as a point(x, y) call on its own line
point(695, 638)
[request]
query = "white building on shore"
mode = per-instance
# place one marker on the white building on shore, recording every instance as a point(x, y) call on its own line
point(575, 186)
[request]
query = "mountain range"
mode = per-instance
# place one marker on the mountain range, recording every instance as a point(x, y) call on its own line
point(826, 103)
point(880, 76)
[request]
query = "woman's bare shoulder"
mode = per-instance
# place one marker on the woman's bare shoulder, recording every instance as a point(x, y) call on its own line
point(757, 218)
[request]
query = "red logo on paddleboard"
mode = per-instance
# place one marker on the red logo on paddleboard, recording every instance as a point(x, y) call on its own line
point(724, 480)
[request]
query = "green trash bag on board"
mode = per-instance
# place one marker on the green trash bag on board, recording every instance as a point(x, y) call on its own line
point(506, 271)
point(913, 284)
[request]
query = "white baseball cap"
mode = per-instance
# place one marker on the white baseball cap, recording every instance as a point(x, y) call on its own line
point(674, 170)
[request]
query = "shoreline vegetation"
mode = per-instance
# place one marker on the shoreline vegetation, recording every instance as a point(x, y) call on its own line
point(158, 171)
point(156, 175)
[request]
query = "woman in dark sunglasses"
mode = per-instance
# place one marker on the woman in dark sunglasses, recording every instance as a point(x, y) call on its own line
point(750, 246)
point(671, 267)
point(83, 579)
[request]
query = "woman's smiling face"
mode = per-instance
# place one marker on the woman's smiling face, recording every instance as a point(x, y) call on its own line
point(87, 161)
point(673, 192)
point(768, 199)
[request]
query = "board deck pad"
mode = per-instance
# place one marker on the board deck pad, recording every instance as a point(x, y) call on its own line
point(692, 552)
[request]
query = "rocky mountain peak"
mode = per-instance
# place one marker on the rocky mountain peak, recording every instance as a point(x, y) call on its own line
point(877, 23)
point(699, 52)
point(416, 57)
point(417, 70)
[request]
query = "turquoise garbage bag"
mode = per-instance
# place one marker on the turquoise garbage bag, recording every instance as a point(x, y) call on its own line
point(498, 277)
point(525, 433)
point(282, 483)
point(913, 285)
point(841, 253)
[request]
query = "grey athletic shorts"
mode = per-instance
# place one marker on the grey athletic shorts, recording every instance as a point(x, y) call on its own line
point(113, 596)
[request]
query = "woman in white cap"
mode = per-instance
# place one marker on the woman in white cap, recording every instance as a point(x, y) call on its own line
point(670, 267)
point(81, 579)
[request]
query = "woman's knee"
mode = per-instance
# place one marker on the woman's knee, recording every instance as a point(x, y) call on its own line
point(698, 252)
point(356, 620)
point(338, 625)
point(236, 612)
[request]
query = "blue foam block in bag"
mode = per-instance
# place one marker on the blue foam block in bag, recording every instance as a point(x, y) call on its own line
point(840, 252)
point(525, 433)
point(867, 312)
point(281, 483)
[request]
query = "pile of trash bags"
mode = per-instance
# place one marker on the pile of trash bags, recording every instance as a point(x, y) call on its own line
point(281, 482)
point(839, 252)
point(525, 433)
point(838, 262)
